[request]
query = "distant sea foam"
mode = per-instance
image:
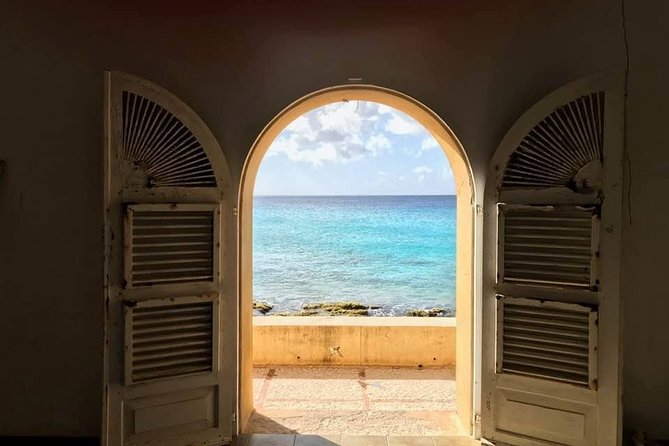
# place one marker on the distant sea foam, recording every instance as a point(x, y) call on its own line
point(396, 252)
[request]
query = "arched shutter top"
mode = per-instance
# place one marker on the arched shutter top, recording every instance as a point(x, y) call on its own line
point(160, 149)
point(562, 150)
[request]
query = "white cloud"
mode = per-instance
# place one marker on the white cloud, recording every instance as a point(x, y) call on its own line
point(422, 172)
point(378, 142)
point(401, 124)
point(429, 143)
point(338, 132)
point(383, 109)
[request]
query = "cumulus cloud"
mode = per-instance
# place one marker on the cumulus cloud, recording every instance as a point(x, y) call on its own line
point(339, 132)
point(401, 124)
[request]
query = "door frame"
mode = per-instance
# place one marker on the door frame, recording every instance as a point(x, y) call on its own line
point(468, 261)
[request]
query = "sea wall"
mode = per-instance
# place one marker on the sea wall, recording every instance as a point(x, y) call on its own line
point(368, 341)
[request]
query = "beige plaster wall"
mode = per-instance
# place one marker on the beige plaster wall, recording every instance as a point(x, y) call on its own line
point(477, 64)
point(401, 341)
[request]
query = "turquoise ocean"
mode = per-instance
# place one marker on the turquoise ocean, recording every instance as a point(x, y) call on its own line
point(396, 252)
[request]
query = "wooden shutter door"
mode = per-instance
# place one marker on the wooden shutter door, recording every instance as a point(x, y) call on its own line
point(170, 316)
point(551, 285)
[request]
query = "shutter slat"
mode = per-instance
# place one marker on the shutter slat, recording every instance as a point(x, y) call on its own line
point(551, 367)
point(560, 255)
point(538, 373)
point(544, 332)
point(139, 365)
point(545, 236)
point(514, 261)
point(172, 267)
point(163, 338)
point(548, 343)
point(174, 353)
point(185, 369)
point(545, 246)
point(174, 345)
point(182, 320)
point(524, 227)
point(543, 347)
point(138, 313)
point(529, 354)
point(141, 332)
point(167, 260)
point(513, 320)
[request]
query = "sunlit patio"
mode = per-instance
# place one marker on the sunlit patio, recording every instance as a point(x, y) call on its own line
point(353, 400)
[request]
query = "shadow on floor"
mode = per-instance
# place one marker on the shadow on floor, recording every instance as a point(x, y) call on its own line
point(266, 425)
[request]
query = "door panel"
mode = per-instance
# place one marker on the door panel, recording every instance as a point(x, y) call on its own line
point(551, 287)
point(535, 416)
point(170, 314)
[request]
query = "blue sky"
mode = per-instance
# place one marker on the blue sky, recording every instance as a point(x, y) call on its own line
point(354, 148)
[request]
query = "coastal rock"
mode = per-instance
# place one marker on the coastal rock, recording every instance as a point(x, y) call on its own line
point(262, 307)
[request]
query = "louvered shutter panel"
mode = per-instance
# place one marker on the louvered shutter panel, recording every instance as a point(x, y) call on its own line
point(161, 148)
point(170, 244)
point(554, 152)
point(548, 340)
point(166, 338)
point(548, 246)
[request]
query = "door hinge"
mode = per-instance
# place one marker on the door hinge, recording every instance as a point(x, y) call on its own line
point(234, 417)
point(234, 211)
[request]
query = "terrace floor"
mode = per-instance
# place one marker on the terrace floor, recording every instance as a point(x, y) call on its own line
point(344, 401)
point(351, 440)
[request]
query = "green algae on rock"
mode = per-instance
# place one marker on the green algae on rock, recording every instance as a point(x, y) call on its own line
point(262, 307)
point(333, 306)
point(299, 313)
point(434, 312)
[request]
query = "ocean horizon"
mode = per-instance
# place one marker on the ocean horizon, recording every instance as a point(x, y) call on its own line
point(395, 252)
point(349, 195)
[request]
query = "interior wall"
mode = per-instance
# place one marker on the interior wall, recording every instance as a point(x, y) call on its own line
point(645, 238)
point(478, 65)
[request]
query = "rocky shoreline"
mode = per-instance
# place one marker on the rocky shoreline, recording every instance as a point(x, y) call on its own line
point(355, 309)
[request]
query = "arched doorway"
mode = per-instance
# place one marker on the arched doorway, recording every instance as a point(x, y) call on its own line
point(465, 216)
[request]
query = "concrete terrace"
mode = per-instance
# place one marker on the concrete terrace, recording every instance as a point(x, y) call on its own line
point(373, 401)
point(351, 440)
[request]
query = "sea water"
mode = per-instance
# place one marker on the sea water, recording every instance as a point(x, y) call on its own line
point(395, 252)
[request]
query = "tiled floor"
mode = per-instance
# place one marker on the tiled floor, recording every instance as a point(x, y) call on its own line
point(355, 401)
point(351, 440)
